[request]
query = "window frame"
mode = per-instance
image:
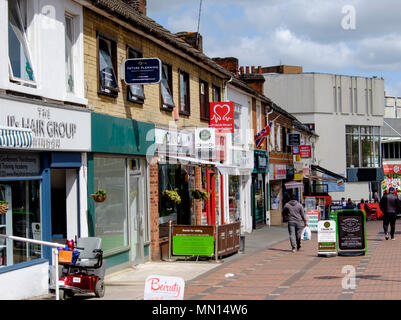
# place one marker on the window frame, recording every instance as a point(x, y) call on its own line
point(130, 95)
point(204, 109)
point(216, 89)
point(25, 44)
point(169, 79)
point(113, 57)
point(72, 19)
point(184, 76)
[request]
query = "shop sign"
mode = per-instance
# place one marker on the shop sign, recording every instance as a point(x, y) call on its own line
point(142, 71)
point(164, 288)
point(53, 129)
point(293, 185)
point(295, 150)
point(19, 164)
point(305, 151)
point(173, 142)
point(280, 172)
point(220, 147)
point(205, 138)
point(392, 168)
point(327, 237)
point(351, 232)
point(193, 240)
point(294, 139)
point(222, 116)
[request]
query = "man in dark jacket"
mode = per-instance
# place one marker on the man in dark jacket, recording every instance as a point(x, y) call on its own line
point(389, 205)
point(294, 214)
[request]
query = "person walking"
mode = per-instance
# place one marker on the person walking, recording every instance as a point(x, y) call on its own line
point(293, 213)
point(390, 206)
point(349, 204)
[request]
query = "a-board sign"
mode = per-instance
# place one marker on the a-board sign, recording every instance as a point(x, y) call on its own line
point(193, 240)
point(164, 288)
point(351, 232)
point(229, 236)
point(142, 71)
point(326, 238)
point(313, 217)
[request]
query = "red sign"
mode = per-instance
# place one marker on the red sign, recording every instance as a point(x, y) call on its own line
point(392, 168)
point(305, 152)
point(222, 116)
point(220, 147)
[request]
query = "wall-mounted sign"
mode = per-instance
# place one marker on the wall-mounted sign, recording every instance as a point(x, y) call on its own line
point(351, 232)
point(164, 288)
point(56, 129)
point(326, 237)
point(305, 151)
point(142, 71)
point(222, 116)
point(205, 138)
point(19, 164)
point(279, 172)
point(392, 168)
point(294, 139)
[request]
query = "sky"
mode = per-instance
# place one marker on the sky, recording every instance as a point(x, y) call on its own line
point(350, 37)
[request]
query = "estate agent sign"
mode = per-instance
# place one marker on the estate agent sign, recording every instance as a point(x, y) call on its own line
point(142, 71)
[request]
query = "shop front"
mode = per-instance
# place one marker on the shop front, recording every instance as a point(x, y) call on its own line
point(278, 174)
point(260, 188)
point(42, 182)
point(118, 166)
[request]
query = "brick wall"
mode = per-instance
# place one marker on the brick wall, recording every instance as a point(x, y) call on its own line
point(154, 210)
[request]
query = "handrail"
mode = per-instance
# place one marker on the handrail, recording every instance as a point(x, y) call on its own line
point(54, 246)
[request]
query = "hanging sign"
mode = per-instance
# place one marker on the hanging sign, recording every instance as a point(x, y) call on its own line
point(141, 71)
point(326, 238)
point(222, 116)
point(351, 232)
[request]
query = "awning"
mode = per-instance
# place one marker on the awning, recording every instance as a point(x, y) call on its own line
point(328, 172)
point(15, 137)
point(230, 170)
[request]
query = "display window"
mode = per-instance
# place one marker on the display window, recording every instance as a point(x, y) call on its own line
point(234, 198)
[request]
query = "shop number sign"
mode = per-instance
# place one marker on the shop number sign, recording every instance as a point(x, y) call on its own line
point(222, 116)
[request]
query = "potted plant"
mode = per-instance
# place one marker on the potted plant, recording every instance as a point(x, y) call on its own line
point(200, 194)
point(99, 196)
point(4, 205)
point(172, 195)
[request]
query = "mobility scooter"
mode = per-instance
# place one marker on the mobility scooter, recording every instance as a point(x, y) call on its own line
point(82, 268)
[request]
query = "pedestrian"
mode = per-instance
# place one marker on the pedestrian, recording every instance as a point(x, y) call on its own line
point(349, 204)
point(376, 197)
point(390, 206)
point(361, 204)
point(343, 202)
point(294, 214)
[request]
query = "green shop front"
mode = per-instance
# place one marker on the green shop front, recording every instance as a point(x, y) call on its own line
point(260, 188)
point(118, 166)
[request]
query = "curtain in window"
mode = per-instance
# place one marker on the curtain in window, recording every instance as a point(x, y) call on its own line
point(18, 52)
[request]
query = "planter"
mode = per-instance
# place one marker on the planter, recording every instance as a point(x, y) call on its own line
point(98, 197)
point(4, 208)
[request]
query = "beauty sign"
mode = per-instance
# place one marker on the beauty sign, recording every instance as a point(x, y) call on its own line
point(164, 288)
point(222, 116)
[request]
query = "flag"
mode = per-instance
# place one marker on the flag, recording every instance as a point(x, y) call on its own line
point(264, 133)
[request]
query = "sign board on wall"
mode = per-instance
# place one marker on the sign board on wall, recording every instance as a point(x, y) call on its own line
point(305, 151)
point(142, 71)
point(53, 129)
point(164, 288)
point(222, 116)
point(19, 164)
point(294, 139)
point(392, 168)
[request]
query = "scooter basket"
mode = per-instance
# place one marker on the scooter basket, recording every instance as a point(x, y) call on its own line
point(67, 256)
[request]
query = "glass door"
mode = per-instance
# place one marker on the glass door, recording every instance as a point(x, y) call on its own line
point(6, 246)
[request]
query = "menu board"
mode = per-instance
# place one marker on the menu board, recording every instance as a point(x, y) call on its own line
point(351, 232)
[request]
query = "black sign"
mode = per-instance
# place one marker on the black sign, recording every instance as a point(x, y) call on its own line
point(142, 71)
point(294, 139)
point(351, 232)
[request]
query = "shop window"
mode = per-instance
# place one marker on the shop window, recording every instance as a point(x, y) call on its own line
point(234, 198)
point(363, 147)
point(204, 100)
point(20, 61)
point(216, 94)
point(22, 220)
point(135, 91)
point(237, 125)
point(184, 93)
point(107, 66)
point(70, 37)
point(167, 87)
point(111, 215)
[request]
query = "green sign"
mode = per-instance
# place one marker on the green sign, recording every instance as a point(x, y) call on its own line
point(193, 240)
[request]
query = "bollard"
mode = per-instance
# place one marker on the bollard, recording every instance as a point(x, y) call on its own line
point(242, 244)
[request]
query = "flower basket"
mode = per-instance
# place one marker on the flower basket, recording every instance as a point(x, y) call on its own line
point(200, 195)
point(172, 195)
point(4, 206)
point(99, 196)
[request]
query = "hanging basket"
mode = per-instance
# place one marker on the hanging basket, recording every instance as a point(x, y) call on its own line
point(4, 208)
point(98, 197)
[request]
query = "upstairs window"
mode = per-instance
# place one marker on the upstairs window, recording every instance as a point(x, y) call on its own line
point(20, 62)
point(184, 93)
point(69, 53)
point(216, 94)
point(135, 91)
point(166, 87)
point(204, 100)
point(107, 66)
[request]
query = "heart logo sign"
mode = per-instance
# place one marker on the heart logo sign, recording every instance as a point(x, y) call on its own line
point(222, 116)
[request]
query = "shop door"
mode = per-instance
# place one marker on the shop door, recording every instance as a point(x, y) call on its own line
point(6, 227)
point(211, 202)
point(259, 200)
point(136, 212)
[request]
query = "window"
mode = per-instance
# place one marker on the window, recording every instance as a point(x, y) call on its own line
point(258, 118)
point(237, 124)
point(278, 138)
point(204, 100)
point(107, 66)
point(166, 87)
point(216, 94)
point(20, 62)
point(362, 147)
point(135, 91)
point(272, 138)
point(69, 54)
point(184, 93)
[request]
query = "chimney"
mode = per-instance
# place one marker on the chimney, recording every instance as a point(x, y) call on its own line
point(192, 38)
point(230, 63)
point(138, 5)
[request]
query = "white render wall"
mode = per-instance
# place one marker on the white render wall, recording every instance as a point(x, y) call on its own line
point(25, 283)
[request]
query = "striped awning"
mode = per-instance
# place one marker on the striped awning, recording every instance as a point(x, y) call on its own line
point(15, 137)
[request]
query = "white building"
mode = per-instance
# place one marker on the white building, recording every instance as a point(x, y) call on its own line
point(45, 132)
point(346, 113)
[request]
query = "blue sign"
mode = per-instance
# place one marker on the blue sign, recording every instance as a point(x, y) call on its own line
point(142, 71)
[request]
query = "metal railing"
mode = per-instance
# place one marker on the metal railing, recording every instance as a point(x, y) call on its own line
point(54, 247)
